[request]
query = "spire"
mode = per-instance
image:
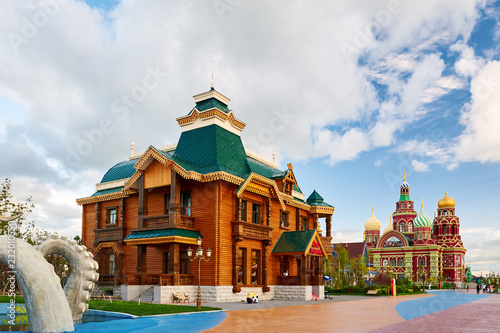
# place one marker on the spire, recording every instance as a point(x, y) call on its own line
point(212, 86)
point(132, 148)
point(404, 175)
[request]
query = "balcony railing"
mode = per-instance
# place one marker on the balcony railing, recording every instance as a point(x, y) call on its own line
point(159, 279)
point(252, 230)
point(164, 221)
point(288, 280)
point(109, 234)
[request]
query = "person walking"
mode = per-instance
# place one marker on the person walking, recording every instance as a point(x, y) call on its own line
point(477, 288)
point(467, 288)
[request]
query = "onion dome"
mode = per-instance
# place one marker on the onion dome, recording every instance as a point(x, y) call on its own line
point(422, 220)
point(389, 227)
point(372, 223)
point(446, 202)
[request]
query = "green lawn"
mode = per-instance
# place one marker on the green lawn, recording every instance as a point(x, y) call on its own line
point(145, 309)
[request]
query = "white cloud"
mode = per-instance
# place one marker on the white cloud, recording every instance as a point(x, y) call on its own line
point(481, 138)
point(420, 166)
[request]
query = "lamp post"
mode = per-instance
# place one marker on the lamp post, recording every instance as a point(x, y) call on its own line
point(199, 256)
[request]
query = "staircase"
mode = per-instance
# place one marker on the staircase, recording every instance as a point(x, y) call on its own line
point(146, 296)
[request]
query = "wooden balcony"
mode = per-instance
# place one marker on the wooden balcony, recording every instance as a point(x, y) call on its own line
point(109, 234)
point(252, 230)
point(160, 279)
point(288, 280)
point(164, 221)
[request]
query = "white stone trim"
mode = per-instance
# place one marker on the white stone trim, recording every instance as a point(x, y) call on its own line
point(260, 159)
point(211, 94)
point(298, 195)
point(212, 120)
point(212, 294)
point(165, 148)
point(112, 184)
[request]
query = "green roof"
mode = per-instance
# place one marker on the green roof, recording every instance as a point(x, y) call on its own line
point(317, 200)
point(119, 171)
point(293, 241)
point(163, 233)
point(107, 191)
point(210, 104)
point(212, 148)
point(263, 169)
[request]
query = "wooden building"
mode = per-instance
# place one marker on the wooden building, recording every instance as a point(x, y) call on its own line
point(149, 209)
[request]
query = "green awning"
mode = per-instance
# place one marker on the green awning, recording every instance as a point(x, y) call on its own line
point(172, 235)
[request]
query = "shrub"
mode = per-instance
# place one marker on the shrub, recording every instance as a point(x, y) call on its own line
point(416, 288)
point(352, 290)
point(400, 289)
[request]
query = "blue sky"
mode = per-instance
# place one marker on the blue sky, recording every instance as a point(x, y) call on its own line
point(363, 89)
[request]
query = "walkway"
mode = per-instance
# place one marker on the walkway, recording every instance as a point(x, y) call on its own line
point(442, 311)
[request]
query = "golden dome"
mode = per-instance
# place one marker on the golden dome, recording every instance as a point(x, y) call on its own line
point(372, 223)
point(446, 202)
point(389, 227)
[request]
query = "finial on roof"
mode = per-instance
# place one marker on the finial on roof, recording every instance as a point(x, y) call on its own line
point(132, 148)
point(212, 86)
point(290, 166)
point(404, 175)
point(274, 157)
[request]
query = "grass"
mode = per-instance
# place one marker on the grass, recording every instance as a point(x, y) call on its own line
point(6, 299)
point(145, 309)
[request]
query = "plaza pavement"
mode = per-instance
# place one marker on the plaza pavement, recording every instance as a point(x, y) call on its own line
point(365, 314)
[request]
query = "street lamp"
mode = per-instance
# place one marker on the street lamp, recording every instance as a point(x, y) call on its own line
point(199, 256)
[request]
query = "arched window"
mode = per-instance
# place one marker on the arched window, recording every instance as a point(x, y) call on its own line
point(402, 227)
point(421, 261)
point(444, 230)
point(410, 227)
point(400, 262)
point(393, 262)
point(403, 205)
point(384, 262)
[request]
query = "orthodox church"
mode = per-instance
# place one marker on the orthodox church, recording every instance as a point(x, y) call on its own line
point(413, 245)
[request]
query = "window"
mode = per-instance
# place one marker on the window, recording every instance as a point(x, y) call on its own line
point(255, 267)
point(110, 215)
point(403, 205)
point(111, 263)
point(402, 227)
point(255, 213)
point(284, 219)
point(243, 210)
point(393, 262)
point(400, 262)
point(304, 223)
point(384, 262)
point(410, 227)
point(241, 269)
point(444, 230)
point(166, 202)
point(421, 261)
point(186, 203)
point(185, 263)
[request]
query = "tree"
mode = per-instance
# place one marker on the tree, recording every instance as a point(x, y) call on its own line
point(343, 270)
point(25, 228)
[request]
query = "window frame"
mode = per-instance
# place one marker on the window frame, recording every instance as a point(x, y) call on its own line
point(243, 210)
point(256, 214)
point(186, 209)
point(108, 216)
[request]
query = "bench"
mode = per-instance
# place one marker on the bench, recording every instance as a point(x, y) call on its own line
point(372, 292)
point(178, 297)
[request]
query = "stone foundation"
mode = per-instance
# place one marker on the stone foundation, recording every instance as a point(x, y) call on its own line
point(211, 294)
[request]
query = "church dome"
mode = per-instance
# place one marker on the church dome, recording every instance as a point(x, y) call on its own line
point(389, 227)
point(446, 202)
point(422, 220)
point(372, 223)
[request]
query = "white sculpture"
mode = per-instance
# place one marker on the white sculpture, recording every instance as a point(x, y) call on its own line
point(50, 309)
